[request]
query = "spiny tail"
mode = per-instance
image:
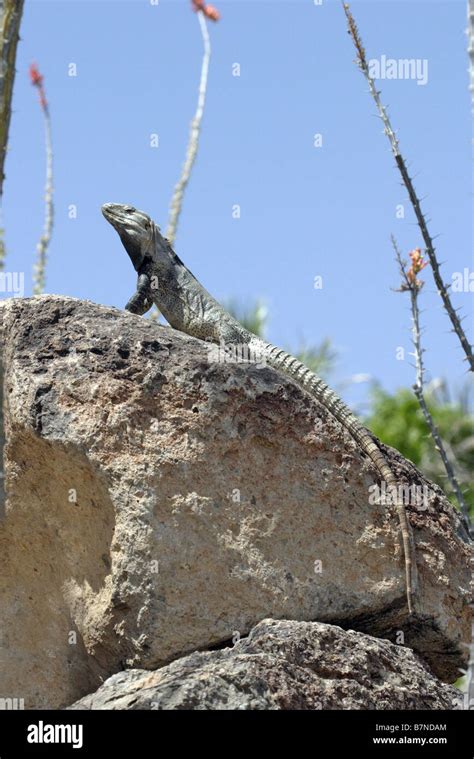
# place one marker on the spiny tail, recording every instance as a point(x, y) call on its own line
point(293, 368)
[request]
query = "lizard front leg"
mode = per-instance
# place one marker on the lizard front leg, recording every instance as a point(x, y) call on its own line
point(141, 300)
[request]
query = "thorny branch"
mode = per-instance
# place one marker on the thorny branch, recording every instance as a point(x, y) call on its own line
point(39, 275)
point(10, 20)
point(413, 285)
point(407, 181)
point(177, 199)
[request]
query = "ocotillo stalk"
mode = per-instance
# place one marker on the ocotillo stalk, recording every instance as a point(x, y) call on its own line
point(407, 181)
point(203, 11)
point(10, 19)
point(39, 275)
point(413, 285)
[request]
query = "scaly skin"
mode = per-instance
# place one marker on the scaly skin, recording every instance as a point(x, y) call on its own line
point(163, 279)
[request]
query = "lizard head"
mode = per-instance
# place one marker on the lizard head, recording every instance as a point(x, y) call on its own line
point(135, 228)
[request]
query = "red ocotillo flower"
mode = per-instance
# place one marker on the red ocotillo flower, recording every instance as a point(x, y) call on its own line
point(212, 13)
point(37, 81)
point(209, 11)
point(417, 264)
point(35, 76)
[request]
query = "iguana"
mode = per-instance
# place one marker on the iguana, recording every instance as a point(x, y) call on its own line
point(165, 281)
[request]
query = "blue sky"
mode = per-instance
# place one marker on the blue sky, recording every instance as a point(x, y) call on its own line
point(305, 211)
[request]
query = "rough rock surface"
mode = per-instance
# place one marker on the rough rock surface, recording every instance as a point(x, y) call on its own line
point(158, 501)
point(284, 665)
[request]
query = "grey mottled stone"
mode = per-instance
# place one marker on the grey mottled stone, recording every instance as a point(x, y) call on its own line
point(284, 665)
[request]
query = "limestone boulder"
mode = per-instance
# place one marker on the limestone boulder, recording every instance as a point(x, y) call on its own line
point(159, 502)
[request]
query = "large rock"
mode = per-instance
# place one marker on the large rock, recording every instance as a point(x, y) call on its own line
point(284, 665)
point(159, 502)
